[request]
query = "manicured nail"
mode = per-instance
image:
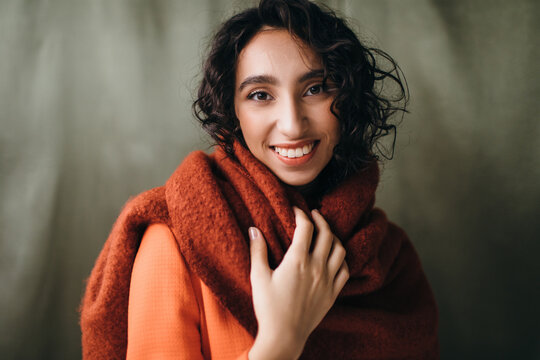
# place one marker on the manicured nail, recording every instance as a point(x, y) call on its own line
point(252, 233)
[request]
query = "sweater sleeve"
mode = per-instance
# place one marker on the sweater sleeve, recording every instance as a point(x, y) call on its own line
point(163, 313)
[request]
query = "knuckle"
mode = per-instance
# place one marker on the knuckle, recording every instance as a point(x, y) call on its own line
point(318, 268)
point(317, 275)
point(346, 271)
point(308, 225)
point(324, 236)
point(325, 230)
point(321, 223)
point(297, 263)
point(340, 251)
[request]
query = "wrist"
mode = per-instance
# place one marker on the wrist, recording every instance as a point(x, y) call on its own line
point(279, 346)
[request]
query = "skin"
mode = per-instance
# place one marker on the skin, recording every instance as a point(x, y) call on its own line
point(291, 300)
point(280, 100)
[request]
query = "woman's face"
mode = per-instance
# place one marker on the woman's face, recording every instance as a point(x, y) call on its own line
point(283, 110)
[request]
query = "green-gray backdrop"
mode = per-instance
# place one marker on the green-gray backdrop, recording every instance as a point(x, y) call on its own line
point(95, 106)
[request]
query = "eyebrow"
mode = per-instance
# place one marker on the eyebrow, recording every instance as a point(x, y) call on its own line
point(258, 79)
point(312, 74)
point(269, 79)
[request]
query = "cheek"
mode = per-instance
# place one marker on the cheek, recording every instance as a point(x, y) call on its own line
point(250, 126)
point(334, 127)
point(328, 124)
point(320, 112)
point(336, 131)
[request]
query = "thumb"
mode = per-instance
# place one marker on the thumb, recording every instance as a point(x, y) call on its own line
point(259, 253)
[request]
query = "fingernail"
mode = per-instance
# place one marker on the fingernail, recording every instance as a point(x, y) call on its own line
point(252, 233)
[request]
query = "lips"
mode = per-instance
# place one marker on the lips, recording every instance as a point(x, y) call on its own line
point(295, 154)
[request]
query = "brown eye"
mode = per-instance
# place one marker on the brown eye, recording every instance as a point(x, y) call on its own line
point(314, 90)
point(259, 96)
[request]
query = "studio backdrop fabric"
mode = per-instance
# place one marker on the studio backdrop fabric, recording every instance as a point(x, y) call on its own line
point(95, 101)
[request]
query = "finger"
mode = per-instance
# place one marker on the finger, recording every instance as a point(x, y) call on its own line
point(324, 239)
point(259, 253)
point(341, 278)
point(302, 234)
point(336, 258)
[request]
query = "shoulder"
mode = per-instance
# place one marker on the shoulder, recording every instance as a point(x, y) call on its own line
point(160, 278)
point(159, 261)
point(158, 240)
point(148, 204)
point(158, 251)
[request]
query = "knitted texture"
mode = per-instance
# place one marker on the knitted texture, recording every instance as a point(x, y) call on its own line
point(105, 303)
point(385, 311)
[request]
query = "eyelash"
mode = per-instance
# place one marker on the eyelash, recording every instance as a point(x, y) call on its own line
point(253, 94)
point(317, 86)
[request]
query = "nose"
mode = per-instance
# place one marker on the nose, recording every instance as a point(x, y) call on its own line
point(291, 118)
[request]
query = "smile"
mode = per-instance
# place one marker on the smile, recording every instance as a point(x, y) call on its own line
point(296, 152)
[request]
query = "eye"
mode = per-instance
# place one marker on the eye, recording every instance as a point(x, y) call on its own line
point(259, 96)
point(314, 90)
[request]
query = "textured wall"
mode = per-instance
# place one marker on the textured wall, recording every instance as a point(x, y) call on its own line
point(95, 107)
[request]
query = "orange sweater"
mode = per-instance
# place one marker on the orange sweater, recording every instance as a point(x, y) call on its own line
point(172, 314)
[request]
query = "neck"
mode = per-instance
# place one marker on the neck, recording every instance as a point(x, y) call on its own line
point(311, 192)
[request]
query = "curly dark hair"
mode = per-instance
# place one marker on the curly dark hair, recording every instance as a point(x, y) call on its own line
point(360, 105)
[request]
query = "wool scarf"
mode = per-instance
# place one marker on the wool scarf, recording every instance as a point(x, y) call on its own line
point(385, 311)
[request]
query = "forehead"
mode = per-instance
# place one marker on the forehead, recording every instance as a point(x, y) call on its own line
point(276, 52)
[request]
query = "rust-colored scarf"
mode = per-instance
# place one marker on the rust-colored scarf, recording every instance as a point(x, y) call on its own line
point(386, 310)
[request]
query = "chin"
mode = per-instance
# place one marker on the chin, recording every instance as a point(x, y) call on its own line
point(297, 179)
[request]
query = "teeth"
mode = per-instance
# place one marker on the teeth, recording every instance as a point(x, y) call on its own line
point(294, 153)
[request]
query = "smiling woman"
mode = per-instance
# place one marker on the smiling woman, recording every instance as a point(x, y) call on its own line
point(270, 248)
point(283, 107)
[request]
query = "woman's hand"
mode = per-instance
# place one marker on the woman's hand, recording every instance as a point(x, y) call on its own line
point(291, 300)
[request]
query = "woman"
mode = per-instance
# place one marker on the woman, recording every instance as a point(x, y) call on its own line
point(270, 247)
